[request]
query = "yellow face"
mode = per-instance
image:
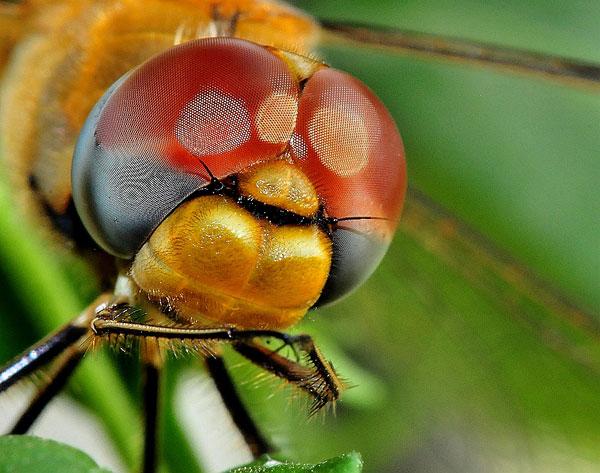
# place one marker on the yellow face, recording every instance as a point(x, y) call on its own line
point(212, 258)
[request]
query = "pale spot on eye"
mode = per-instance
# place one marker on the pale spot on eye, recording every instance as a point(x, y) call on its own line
point(340, 139)
point(299, 146)
point(276, 118)
point(213, 123)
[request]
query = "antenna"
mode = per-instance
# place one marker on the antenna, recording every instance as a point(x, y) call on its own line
point(214, 181)
point(335, 220)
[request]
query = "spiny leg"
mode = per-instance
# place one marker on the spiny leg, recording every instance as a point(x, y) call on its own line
point(64, 348)
point(253, 437)
point(40, 354)
point(318, 378)
point(68, 345)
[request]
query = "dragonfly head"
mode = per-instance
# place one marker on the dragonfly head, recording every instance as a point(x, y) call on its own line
point(229, 173)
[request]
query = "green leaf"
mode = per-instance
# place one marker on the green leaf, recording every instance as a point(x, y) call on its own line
point(348, 463)
point(25, 454)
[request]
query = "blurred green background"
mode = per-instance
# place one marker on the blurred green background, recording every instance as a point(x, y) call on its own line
point(459, 363)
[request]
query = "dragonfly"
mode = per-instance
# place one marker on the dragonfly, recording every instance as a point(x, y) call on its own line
point(445, 237)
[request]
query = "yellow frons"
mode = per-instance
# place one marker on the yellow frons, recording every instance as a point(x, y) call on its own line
point(280, 184)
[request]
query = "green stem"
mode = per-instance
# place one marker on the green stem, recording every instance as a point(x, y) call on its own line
point(51, 300)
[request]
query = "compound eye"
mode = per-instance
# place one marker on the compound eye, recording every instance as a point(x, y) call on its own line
point(349, 146)
point(227, 102)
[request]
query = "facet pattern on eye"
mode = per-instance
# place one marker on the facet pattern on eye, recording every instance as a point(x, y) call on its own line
point(132, 194)
point(227, 102)
point(276, 118)
point(340, 138)
point(298, 146)
point(355, 257)
point(207, 99)
point(354, 154)
point(213, 123)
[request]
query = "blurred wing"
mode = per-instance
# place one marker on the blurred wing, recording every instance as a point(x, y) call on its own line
point(428, 46)
point(555, 320)
point(510, 282)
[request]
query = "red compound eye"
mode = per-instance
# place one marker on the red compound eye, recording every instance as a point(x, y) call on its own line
point(225, 101)
point(349, 146)
point(228, 102)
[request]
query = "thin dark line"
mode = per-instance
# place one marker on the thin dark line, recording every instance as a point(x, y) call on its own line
point(58, 382)
point(103, 327)
point(571, 71)
point(106, 327)
point(254, 439)
point(335, 220)
point(151, 399)
point(39, 355)
point(275, 364)
point(420, 207)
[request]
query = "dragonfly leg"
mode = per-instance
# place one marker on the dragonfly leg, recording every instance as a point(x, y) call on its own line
point(314, 374)
point(65, 366)
point(63, 350)
point(151, 368)
point(253, 437)
point(40, 354)
point(49, 348)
